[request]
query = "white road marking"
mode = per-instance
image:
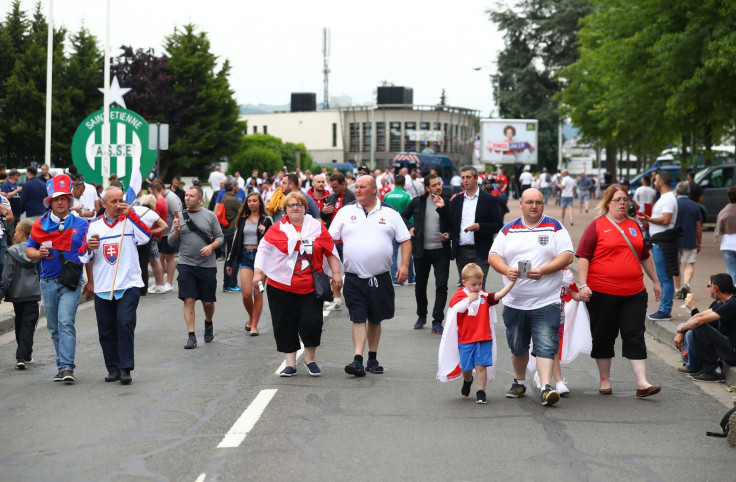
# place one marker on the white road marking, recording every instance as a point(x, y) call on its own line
point(247, 420)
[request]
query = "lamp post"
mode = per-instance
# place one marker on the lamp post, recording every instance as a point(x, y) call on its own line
point(49, 65)
point(493, 71)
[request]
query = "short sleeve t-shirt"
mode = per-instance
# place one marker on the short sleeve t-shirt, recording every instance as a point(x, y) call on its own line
point(302, 281)
point(667, 204)
point(614, 269)
point(568, 184)
point(471, 329)
point(539, 244)
point(727, 320)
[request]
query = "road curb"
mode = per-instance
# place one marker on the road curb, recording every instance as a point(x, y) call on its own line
point(665, 332)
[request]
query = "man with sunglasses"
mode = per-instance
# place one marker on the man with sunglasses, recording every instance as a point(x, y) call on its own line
point(533, 250)
point(713, 343)
point(59, 237)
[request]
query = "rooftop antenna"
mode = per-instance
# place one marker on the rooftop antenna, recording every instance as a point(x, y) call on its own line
point(326, 70)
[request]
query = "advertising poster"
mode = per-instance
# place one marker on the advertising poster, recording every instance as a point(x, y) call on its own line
point(508, 141)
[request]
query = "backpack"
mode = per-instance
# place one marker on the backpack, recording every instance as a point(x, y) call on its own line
point(220, 213)
point(727, 422)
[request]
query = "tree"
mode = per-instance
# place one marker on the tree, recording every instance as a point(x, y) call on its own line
point(540, 41)
point(209, 130)
point(24, 91)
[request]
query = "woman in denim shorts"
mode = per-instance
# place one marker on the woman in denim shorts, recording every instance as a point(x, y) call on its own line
point(252, 223)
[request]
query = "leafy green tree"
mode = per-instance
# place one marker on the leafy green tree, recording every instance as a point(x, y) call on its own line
point(83, 76)
point(256, 157)
point(288, 154)
point(540, 41)
point(24, 92)
point(209, 130)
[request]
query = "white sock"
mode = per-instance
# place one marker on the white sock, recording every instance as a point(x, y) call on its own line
point(338, 301)
point(521, 382)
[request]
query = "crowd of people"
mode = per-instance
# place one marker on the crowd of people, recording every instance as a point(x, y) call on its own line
point(308, 239)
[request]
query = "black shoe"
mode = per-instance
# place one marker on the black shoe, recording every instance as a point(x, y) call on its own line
point(191, 343)
point(20, 365)
point(125, 377)
point(68, 376)
point(112, 377)
point(465, 391)
point(209, 333)
point(59, 376)
point(708, 377)
point(373, 367)
point(355, 368)
point(480, 397)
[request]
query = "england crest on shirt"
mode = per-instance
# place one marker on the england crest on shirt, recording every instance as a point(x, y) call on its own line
point(632, 231)
point(111, 252)
point(543, 239)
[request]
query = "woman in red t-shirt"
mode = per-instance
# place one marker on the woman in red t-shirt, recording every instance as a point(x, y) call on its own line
point(286, 255)
point(611, 255)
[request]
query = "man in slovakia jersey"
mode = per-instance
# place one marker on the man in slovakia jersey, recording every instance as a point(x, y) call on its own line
point(114, 276)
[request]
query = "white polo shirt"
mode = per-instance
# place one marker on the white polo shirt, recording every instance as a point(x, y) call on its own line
point(539, 244)
point(366, 237)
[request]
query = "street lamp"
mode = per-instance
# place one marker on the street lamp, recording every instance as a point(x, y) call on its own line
point(493, 71)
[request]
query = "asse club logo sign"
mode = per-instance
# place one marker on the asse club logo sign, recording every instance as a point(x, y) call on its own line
point(128, 141)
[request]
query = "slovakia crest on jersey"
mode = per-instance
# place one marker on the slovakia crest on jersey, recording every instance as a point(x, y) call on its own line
point(632, 231)
point(111, 252)
point(543, 239)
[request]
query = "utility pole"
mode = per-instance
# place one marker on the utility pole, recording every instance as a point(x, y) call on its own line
point(326, 69)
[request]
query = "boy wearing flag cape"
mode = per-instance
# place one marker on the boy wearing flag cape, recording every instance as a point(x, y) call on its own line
point(468, 339)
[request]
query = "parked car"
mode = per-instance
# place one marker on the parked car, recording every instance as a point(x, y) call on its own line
point(715, 181)
point(424, 163)
point(674, 171)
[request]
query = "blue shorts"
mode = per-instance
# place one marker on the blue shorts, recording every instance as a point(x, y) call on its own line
point(540, 325)
point(475, 354)
point(566, 201)
point(248, 258)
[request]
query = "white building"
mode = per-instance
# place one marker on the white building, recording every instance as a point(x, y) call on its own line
point(345, 134)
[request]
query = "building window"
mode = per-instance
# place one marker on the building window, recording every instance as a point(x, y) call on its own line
point(367, 136)
point(255, 129)
point(380, 137)
point(394, 143)
point(354, 137)
point(424, 126)
point(409, 146)
point(265, 129)
point(334, 134)
point(446, 138)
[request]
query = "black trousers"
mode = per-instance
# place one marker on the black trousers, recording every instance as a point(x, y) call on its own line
point(26, 319)
point(611, 314)
point(468, 255)
point(711, 345)
point(116, 321)
point(440, 261)
point(294, 316)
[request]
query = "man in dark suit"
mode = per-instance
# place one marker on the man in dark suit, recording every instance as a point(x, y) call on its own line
point(474, 217)
point(430, 247)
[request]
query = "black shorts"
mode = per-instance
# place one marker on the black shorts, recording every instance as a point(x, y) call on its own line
point(294, 316)
point(164, 248)
point(369, 299)
point(197, 282)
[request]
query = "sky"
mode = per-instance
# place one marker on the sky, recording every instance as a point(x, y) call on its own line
point(275, 47)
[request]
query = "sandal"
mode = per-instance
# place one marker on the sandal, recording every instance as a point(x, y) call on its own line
point(253, 333)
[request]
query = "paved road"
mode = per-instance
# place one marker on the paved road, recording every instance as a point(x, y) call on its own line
point(404, 424)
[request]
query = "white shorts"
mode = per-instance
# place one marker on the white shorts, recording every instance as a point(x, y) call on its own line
point(688, 255)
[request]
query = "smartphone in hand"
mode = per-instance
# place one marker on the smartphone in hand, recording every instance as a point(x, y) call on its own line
point(524, 266)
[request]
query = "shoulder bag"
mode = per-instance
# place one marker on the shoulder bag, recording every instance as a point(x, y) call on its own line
point(71, 272)
point(195, 229)
point(322, 287)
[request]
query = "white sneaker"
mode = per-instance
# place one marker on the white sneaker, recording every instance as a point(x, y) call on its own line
point(537, 380)
point(562, 389)
point(155, 289)
point(334, 306)
point(167, 287)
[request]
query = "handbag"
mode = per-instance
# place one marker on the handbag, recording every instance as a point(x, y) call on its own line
point(195, 229)
point(322, 287)
point(71, 272)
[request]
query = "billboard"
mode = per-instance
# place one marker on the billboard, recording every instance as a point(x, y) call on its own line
point(508, 141)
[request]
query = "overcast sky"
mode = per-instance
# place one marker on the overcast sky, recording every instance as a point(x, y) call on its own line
point(275, 47)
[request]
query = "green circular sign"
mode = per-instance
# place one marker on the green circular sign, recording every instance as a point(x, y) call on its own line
point(128, 141)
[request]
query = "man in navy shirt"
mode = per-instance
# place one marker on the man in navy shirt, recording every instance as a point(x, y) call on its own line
point(690, 219)
point(32, 196)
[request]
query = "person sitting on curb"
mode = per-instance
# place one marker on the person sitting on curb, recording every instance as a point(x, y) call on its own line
point(713, 344)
